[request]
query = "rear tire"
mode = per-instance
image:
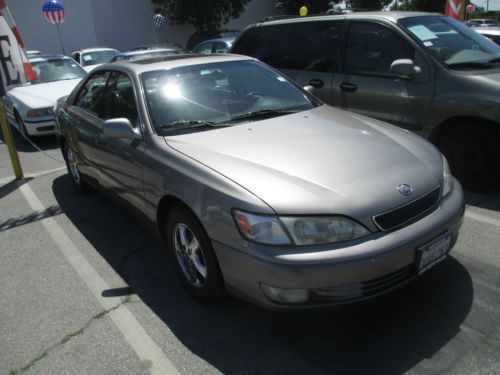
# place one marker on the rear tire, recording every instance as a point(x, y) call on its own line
point(196, 264)
point(74, 172)
point(474, 156)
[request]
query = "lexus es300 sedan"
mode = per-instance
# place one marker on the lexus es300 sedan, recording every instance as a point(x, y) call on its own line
point(257, 187)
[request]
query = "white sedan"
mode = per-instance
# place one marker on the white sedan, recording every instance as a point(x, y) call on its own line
point(29, 107)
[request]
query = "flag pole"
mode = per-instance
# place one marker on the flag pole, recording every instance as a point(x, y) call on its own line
point(60, 39)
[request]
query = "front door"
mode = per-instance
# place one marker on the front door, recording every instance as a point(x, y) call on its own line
point(368, 87)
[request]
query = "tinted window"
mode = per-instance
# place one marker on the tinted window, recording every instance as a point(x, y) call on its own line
point(254, 42)
point(90, 94)
point(372, 48)
point(204, 48)
point(305, 46)
point(76, 57)
point(98, 57)
point(119, 100)
point(220, 47)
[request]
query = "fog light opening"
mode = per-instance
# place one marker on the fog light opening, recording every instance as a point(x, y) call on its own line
point(285, 295)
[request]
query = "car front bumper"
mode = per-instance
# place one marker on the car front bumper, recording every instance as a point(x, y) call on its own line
point(341, 273)
point(37, 128)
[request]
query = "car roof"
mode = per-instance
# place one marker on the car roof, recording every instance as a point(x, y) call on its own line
point(487, 30)
point(389, 16)
point(146, 51)
point(172, 61)
point(94, 49)
point(48, 57)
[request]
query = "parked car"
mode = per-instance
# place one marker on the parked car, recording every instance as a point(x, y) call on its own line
point(175, 46)
point(257, 187)
point(197, 38)
point(222, 45)
point(90, 58)
point(33, 53)
point(424, 72)
point(144, 54)
point(483, 22)
point(29, 108)
point(492, 33)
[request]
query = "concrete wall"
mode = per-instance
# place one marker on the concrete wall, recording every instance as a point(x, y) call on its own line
point(120, 24)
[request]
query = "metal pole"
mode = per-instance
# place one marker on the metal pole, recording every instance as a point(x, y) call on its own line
point(487, 5)
point(14, 157)
point(60, 38)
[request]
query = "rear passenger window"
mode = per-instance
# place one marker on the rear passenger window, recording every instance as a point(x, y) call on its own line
point(372, 48)
point(308, 46)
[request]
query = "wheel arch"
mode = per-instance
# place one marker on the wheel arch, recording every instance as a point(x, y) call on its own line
point(165, 205)
point(438, 133)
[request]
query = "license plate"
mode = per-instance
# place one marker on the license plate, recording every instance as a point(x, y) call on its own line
point(433, 253)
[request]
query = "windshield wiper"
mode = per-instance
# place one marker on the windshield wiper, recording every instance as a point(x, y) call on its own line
point(179, 125)
point(262, 113)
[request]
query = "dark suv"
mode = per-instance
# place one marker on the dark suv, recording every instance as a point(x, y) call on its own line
point(424, 72)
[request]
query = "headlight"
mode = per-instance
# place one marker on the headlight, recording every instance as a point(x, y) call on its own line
point(320, 230)
point(40, 112)
point(447, 178)
point(261, 228)
point(304, 230)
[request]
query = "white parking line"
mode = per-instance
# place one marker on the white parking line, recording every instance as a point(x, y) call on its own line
point(142, 344)
point(482, 218)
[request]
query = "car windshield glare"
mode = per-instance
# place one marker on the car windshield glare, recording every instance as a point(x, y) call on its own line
point(56, 70)
point(217, 93)
point(452, 42)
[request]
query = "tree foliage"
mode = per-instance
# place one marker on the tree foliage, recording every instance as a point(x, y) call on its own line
point(205, 15)
point(293, 6)
point(422, 5)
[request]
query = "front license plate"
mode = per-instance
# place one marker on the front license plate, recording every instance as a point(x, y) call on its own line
point(433, 252)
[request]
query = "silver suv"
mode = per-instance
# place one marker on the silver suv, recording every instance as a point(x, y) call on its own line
point(424, 72)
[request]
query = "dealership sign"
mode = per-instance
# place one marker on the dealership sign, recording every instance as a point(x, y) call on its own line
point(455, 9)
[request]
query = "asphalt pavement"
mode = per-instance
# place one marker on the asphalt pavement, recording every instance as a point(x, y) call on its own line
point(85, 289)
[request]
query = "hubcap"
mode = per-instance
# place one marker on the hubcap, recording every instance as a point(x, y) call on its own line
point(73, 167)
point(190, 255)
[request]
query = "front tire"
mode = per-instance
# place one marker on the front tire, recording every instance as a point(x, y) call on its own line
point(196, 264)
point(73, 170)
point(474, 156)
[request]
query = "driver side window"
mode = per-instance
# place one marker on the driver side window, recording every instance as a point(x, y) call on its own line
point(119, 99)
point(372, 48)
point(89, 97)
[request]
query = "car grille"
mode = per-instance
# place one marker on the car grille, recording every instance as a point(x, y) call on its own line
point(409, 212)
point(366, 289)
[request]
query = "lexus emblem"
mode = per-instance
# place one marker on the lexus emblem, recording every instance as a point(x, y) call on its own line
point(405, 189)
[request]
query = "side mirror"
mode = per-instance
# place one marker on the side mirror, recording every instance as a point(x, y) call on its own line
point(404, 68)
point(117, 128)
point(310, 89)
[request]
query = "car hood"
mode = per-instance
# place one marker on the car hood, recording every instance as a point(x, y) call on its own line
point(321, 161)
point(43, 94)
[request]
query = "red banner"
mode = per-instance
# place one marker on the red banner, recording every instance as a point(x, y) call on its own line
point(455, 9)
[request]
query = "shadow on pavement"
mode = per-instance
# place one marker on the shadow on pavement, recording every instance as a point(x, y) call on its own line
point(389, 335)
point(48, 142)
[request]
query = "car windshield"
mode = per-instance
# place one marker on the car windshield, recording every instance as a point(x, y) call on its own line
point(98, 57)
point(453, 43)
point(56, 70)
point(219, 94)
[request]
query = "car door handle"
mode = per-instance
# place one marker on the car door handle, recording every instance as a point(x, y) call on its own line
point(348, 87)
point(316, 83)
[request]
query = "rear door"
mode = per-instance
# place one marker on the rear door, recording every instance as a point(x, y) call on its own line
point(368, 87)
point(307, 52)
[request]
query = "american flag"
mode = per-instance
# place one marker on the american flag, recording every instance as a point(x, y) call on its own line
point(53, 11)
